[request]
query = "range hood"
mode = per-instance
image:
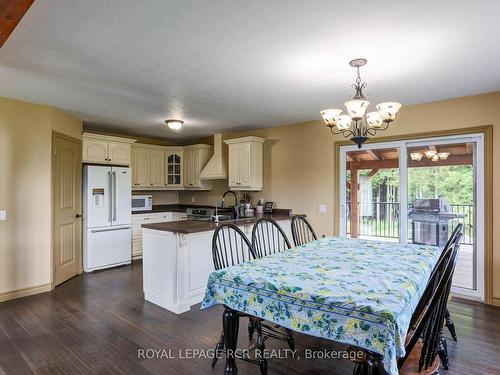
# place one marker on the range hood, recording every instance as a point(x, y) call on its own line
point(216, 167)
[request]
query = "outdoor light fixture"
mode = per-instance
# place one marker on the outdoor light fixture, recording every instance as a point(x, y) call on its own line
point(174, 124)
point(430, 154)
point(443, 155)
point(417, 156)
point(356, 125)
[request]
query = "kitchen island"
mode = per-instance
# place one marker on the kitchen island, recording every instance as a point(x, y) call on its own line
point(177, 259)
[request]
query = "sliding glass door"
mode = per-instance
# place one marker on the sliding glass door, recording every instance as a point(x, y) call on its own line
point(417, 192)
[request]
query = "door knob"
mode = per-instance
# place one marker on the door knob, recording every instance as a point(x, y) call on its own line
point(77, 216)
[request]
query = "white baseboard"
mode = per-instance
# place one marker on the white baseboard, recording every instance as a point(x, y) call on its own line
point(25, 292)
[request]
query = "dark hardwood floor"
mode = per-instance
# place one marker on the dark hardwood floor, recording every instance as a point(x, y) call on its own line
point(96, 324)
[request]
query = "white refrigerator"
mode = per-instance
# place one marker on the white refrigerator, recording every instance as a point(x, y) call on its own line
point(107, 217)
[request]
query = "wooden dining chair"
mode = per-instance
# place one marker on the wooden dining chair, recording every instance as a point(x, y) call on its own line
point(455, 238)
point(230, 246)
point(268, 238)
point(448, 320)
point(426, 326)
point(302, 230)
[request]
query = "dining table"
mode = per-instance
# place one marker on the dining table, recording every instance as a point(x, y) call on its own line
point(353, 291)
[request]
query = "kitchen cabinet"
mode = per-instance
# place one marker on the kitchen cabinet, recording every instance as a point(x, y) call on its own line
point(157, 168)
point(138, 220)
point(176, 266)
point(179, 216)
point(103, 149)
point(195, 159)
point(148, 167)
point(245, 163)
point(174, 159)
point(141, 167)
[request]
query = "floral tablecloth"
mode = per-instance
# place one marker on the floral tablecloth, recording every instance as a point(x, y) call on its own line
point(352, 291)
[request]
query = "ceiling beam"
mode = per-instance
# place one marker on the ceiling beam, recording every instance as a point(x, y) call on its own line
point(372, 173)
point(373, 154)
point(394, 163)
point(11, 12)
point(468, 147)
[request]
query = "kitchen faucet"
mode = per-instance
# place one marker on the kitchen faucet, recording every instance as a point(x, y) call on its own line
point(235, 207)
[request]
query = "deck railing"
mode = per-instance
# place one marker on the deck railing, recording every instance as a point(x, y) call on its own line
point(381, 219)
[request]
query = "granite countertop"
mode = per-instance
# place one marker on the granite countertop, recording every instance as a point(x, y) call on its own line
point(168, 208)
point(196, 226)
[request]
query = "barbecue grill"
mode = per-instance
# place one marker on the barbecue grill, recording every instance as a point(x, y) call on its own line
point(430, 221)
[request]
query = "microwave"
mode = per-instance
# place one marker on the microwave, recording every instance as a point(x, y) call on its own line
point(142, 203)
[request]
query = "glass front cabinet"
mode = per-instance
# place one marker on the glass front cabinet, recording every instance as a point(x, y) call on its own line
point(174, 168)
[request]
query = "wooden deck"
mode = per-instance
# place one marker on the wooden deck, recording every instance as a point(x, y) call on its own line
point(464, 276)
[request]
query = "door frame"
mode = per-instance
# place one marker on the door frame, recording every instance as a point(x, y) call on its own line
point(401, 145)
point(52, 203)
point(487, 218)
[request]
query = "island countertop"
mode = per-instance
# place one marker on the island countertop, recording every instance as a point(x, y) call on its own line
point(196, 226)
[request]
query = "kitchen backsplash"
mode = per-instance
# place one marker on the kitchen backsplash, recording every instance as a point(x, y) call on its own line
point(161, 197)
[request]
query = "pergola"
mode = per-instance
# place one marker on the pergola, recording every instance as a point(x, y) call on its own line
point(375, 160)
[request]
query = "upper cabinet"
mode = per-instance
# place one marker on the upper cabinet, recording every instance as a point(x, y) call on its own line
point(174, 158)
point(245, 163)
point(103, 149)
point(157, 167)
point(195, 159)
point(148, 166)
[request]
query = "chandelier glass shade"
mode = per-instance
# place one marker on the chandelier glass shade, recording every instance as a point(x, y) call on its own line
point(357, 124)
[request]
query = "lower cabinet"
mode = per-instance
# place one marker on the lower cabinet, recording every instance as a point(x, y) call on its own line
point(139, 219)
point(176, 266)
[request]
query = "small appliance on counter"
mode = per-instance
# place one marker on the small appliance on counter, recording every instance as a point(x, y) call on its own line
point(107, 232)
point(142, 203)
point(268, 207)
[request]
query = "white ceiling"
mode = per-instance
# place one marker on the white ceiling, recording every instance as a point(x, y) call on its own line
point(127, 65)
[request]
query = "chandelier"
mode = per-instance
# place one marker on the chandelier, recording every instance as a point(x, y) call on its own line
point(357, 125)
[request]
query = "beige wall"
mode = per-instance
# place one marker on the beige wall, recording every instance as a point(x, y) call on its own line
point(299, 159)
point(25, 192)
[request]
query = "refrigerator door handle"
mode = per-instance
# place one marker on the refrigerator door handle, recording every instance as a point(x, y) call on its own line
point(108, 230)
point(114, 196)
point(110, 189)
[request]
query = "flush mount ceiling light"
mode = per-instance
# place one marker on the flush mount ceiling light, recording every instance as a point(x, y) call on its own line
point(356, 125)
point(174, 124)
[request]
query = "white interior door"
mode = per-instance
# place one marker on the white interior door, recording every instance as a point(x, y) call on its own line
point(67, 204)
point(122, 196)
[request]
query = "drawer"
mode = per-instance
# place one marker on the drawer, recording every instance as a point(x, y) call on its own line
point(136, 231)
point(142, 219)
point(136, 247)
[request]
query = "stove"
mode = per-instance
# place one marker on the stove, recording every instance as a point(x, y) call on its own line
point(200, 213)
point(430, 221)
point(207, 214)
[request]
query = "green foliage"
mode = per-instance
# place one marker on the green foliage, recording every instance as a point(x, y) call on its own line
point(455, 183)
